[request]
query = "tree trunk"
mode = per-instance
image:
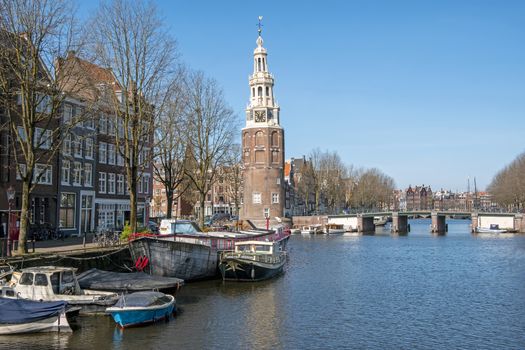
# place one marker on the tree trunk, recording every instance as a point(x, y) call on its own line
point(169, 198)
point(24, 218)
point(201, 211)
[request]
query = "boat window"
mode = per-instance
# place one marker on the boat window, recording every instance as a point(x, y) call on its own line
point(263, 248)
point(67, 277)
point(243, 248)
point(55, 278)
point(9, 293)
point(40, 279)
point(26, 279)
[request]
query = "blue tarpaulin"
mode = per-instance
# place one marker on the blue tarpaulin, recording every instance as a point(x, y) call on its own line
point(26, 311)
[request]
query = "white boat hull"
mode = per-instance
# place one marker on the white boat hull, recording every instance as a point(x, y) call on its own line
point(52, 324)
point(489, 230)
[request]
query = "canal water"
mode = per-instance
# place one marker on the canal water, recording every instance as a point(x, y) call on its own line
point(418, 291)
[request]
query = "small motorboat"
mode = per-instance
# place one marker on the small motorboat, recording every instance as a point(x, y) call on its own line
point(334, 229)
point(26, 316)
point(142, 308)
point(56, 283)
point(494, 228)
point(252, 261)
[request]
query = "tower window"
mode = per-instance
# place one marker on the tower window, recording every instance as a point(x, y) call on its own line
point(253, 92)
point(259, 138)
point(267, 91)
point(264, 65)
point(275, 139)
point(259, 64)
point(259, 156)
point(259, 91)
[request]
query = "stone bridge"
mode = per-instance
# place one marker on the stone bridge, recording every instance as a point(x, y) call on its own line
point(364, 222)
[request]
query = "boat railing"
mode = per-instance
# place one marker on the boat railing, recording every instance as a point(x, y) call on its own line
point(264, 258)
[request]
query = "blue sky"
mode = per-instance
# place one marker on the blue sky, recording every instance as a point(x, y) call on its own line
point(430, 92)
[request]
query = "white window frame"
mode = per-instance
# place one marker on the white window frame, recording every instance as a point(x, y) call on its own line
point(139, 184)
point(66, 149)
point(67, 114)
point(103, 124)
point(145, 179)
point(102, 186)
point(275, 198)
point(111, 183)
point(77, 173)
point(120, 184)
point(77, 147)
point(89, 148)
point(42, 138)
point(66, 172)
point(111, 153)
point(256, 198)
point(102, 152)
point(47, 175)
point(111, 126)
point(88, 174)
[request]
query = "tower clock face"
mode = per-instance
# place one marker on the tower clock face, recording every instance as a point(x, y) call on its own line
point(260, 116)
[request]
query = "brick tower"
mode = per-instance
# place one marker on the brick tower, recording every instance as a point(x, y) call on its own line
point(262, 146)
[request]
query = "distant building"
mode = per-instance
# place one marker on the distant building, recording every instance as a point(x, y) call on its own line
point(418, 198)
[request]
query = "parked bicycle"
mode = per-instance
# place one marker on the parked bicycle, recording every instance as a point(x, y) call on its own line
point(42, 232)
point(106, 238)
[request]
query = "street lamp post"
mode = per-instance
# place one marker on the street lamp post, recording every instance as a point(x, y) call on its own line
point(10, 196)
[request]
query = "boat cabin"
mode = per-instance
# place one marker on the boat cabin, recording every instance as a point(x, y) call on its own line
point(44, 282)
point(256, 247)
point(174, 226)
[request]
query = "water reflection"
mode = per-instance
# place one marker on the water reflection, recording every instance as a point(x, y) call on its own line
point(345, 291)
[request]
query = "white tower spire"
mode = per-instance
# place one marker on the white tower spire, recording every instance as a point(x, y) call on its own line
point(262, 109)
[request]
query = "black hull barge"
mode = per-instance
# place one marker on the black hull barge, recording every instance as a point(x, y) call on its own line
point(252, 261)
point(193, 255)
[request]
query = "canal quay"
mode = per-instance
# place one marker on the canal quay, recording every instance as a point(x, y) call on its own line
point(381, 291)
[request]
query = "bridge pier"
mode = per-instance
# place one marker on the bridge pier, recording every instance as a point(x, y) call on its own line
point(365, 224)
point(399, 223)
point(474, 222)
point(439, 225)
point(519, 223)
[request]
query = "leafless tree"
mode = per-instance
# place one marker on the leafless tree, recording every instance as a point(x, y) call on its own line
point(170, 146)
point(372, 190)
point(508, 185)
point(33, 35)
point(233, 170)
point(211, 127)
point(129, 37)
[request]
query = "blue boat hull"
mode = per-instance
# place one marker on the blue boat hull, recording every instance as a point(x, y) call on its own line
point(130, 318)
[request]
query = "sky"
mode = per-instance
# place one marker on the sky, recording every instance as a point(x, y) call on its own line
point(429, 92)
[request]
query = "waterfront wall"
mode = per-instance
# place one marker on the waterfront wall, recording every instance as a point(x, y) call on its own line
point(310, 220)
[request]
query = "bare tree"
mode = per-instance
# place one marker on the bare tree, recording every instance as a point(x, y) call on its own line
point(508, 185)
point(33, 34)
point(372, 190)
point(211, 127)
point(233, 170)
point(170, 147)
point(130, 39)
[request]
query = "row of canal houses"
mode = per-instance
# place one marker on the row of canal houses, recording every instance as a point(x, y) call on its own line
point(84, 187)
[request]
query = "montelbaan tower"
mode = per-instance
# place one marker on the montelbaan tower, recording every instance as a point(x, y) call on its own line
point(262, 146)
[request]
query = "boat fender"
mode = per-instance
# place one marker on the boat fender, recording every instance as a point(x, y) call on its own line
point(141, 262)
